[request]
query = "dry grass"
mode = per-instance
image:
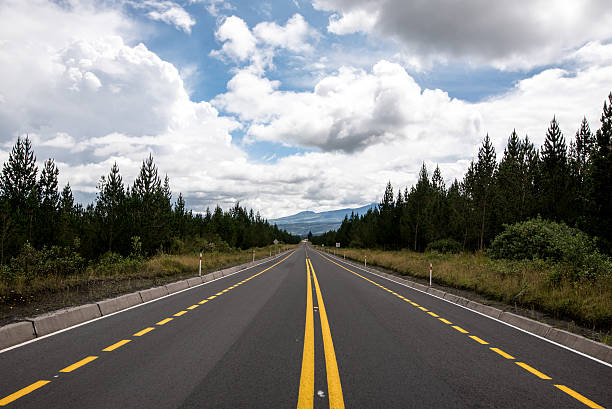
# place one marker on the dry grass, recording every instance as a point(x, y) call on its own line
point(21, 298)
point(516, 283)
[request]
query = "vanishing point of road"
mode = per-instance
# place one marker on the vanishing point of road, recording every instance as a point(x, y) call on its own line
point(305, 330)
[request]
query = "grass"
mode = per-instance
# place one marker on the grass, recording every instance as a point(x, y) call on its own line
point(22, 297)
point(526, 284)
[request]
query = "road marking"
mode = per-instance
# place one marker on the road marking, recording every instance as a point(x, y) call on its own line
point(178, 314)
point(306, 393)
point(203, 302)
point(211, 297)
point(79, 364)
point(413, 303)
point(165, 321)
point(479, 340)
point(334, 387)
point(433, 314)
point(219, 293)
point(533, 370)
point(445, 321)
point(144, 331)
point(193, 307)
point(423, 309)
point(21, 392)
point(117, 345)
point(502, 353)
point(458, 328)
point(578, 396)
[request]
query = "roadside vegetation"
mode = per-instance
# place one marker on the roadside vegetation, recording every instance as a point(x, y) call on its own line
point(40, 281)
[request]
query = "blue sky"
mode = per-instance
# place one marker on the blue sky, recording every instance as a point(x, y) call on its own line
point(297, 105)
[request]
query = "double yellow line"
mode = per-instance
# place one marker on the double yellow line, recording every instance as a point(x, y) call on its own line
point(334, 388)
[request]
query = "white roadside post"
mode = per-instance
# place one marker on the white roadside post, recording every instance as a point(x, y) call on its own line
point(365, 261)
point(430, 271)
point(200, 268)
point(253, 255)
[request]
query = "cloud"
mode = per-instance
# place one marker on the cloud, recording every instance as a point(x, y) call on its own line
point(214, 7)
point(348, 111)
point(258, 46)
point(239, 44)
point(168, 12)
point(499, 33)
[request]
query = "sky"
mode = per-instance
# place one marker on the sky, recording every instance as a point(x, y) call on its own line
point(292, 105)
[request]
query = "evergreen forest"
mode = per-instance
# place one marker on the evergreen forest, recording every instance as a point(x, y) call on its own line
point(563, 181)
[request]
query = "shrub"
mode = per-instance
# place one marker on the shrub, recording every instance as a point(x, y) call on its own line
point(556, 242)
point(445, 246)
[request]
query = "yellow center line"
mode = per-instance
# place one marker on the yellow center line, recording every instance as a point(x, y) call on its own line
point(117, 345)
point(334, 387)
point(423, 309)
point(79, 364)
point(219, 293)
point(164, 321)
point(193, 307)
point(178, 314)
point(306, 393)
point(533, 370)
point(445, 321)
point(21, 392)
point(479, 340)
point(458, 328)
point(144, 331)
point(578, 396)
point(413, 303)
point(203, 302)
point(211, 297)
point(502, 353)
point(433, 314)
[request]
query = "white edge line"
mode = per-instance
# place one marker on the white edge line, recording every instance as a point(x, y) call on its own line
point(132, 307)
point(479, 313)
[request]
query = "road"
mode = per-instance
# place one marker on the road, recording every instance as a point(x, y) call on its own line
point(301, 331)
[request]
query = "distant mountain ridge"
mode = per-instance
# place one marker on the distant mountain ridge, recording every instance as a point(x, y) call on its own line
point(303, 222)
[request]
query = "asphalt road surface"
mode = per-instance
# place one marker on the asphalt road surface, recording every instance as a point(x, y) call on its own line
point(304, 331)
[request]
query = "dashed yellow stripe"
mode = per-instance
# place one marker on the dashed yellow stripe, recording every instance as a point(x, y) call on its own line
point(578, 396)
point(178, 314)
point(502, 353)
point(162, 322)
point(79, 364)
point(22, 392)
point(533, 370)
point(116, 345)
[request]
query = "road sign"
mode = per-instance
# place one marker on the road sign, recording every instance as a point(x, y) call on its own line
point(275, 241)
point(338, 245)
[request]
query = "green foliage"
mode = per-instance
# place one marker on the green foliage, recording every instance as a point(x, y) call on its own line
point(445, 246)
point(55, 260)
point(541, 239)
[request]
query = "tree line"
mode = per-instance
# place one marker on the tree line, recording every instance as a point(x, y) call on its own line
point(140, 218)
point(561, 183)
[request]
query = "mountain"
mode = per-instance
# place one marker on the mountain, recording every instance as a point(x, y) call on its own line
point(303, 222)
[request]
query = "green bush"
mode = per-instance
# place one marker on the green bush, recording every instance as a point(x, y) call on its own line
point(55, 260)
point(556, 242)
point(445, 246)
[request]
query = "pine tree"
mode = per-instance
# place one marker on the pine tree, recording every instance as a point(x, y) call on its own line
point(110, 206)
point(18, 178)
point(579, 163)
point(484, 174)
point(601, 177)
point(554, 182)
point(510, 180)
point(49, 203)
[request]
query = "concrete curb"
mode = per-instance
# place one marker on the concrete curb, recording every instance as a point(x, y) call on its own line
point(120, 303)
point(570, 340)
point(153, 293)
point(58, 320)
point(177, 286)
point(16, 333)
